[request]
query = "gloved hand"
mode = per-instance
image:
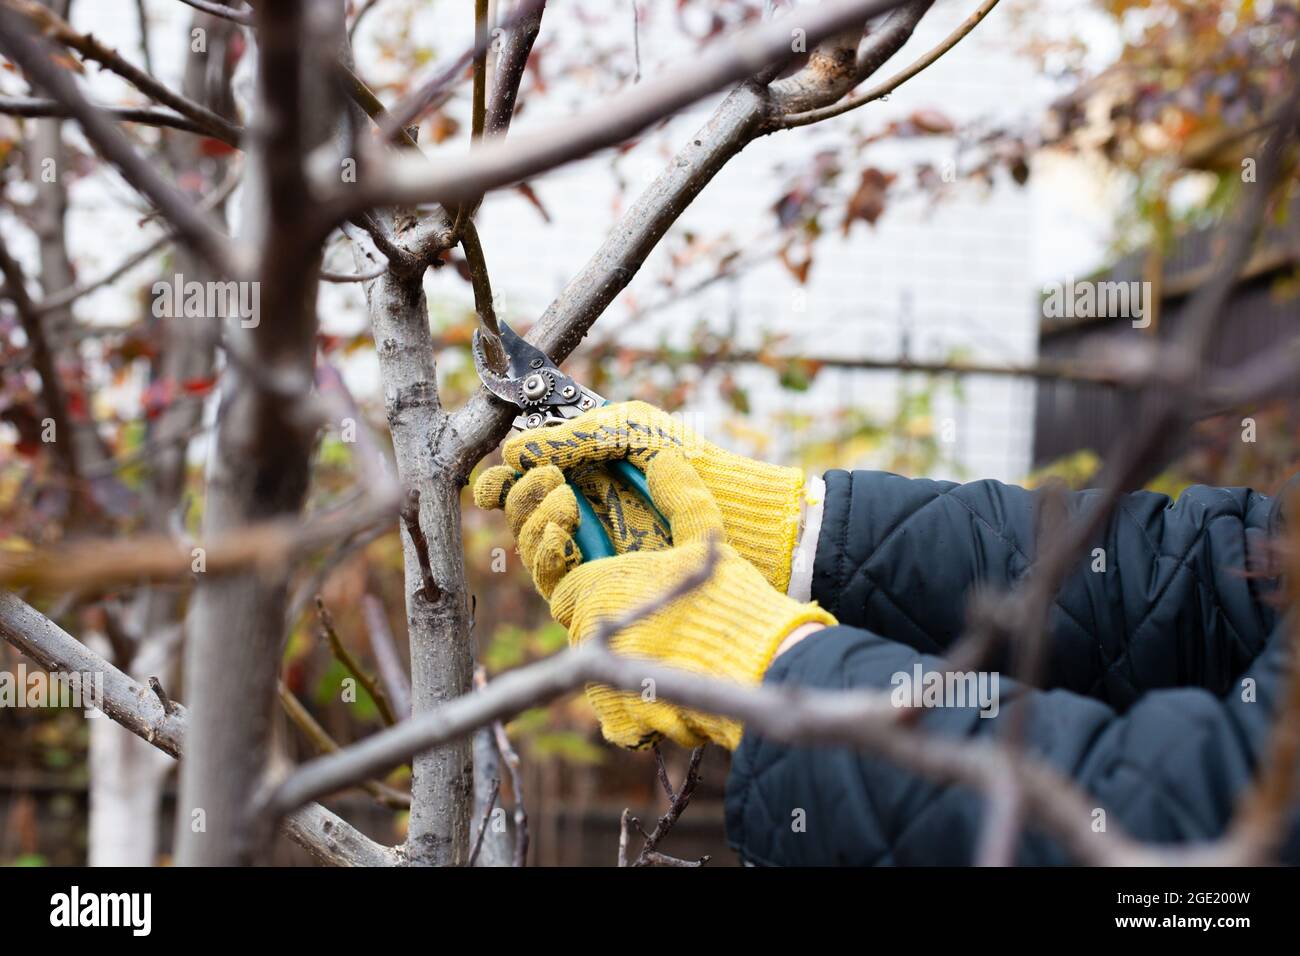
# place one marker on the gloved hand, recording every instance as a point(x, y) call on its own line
point(728, 627)
point(761, 504)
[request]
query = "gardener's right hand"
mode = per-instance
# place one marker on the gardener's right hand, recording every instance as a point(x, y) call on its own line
point(729, 626)
point(761, 504)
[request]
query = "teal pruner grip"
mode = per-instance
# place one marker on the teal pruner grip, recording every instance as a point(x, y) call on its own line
point(593, 541)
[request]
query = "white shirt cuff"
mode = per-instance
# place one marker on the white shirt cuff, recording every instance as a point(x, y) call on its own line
point(805, 551)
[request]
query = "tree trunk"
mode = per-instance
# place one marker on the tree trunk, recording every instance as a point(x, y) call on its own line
point(260, 467)
point(442, 659)
point(127, 775)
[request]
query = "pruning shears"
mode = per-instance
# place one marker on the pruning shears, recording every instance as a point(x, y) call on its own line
point(546, 396)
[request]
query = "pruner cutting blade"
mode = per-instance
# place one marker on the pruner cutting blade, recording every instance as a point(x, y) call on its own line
point(546, 396)
point(532, 383)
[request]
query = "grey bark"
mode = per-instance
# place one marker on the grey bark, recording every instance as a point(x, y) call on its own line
point(260, 466)
point(497, 849)
point(438, 623)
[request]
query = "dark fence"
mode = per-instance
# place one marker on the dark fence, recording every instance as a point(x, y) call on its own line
point(1262, 312)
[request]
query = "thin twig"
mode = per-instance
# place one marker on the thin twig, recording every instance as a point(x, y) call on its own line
point(662, 769)
point(429, 589)
point(32, 56)
point(655, 858)
point(58, 29)
point(305, 593)
point(481, 282)
point(677, 803)
point(52, 394)
point(483, 824)
point(384, 647)
point(625, 823)
point(324, 743)
point(894, 82)
point(356, 21)
point(35, 108)
point(636, 42)
point(413, 106)
point(142, 25)
point(242, 17)
point(69, 295)
point(156, 686)
point(511, 759)
point(345, 657)
point(375, 273)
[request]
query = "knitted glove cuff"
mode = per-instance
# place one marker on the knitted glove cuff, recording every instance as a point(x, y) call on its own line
point(761, 505)
point(736, 624)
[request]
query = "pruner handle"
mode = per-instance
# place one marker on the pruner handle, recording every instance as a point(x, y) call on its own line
point(591, 536)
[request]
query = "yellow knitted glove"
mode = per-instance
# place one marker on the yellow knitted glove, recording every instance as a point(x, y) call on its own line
point(729, 627)
point(761, 504)
point(631, 524)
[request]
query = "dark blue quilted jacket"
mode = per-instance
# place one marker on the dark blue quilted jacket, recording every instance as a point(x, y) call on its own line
point(1166, 663)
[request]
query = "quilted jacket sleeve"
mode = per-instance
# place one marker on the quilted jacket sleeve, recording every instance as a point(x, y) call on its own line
point(1169, 770)
point(1169, 595)
point(1167, 663)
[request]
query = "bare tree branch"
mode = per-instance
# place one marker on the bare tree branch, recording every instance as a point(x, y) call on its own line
point(33, 107)
point(138, 710)
point(898, 79)
point(353, 666)
point(385, 651)
point(55, 27)
point(242, 17)
point(677, 802)
point(356, 20)
point(264, 547)
point(374, 273)
point(320, 738)
point(17, 43)
point(511, 65)
point(66, 297)
point(142, 24)
point(406, 181)
point(433, 90)
point(492, 749)
point(488, 806)
point(56, 405)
